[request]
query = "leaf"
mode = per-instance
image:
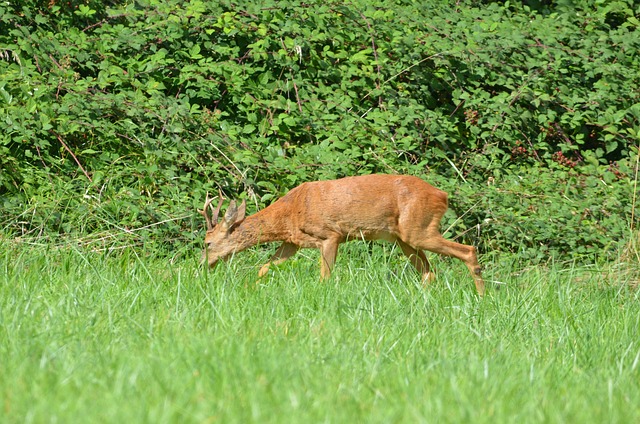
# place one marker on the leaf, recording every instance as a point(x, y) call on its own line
point(194, 52)
point(363, 56)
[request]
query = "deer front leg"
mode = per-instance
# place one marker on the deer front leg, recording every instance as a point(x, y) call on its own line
point(284, 252)
point(328, 253)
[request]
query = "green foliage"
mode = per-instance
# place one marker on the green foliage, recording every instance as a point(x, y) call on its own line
point(544, 213)
point(117, 117)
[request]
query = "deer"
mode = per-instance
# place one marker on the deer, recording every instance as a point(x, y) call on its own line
point(401, 209)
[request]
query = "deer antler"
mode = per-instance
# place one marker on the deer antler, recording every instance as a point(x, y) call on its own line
point(211, 220)
point(216, 211)
point(204, 213)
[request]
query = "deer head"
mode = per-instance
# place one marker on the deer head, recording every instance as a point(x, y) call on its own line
point(218, 240)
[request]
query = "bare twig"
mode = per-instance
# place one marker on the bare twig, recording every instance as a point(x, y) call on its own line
point(104, 21)
point(375, 56)
point(86, 174)
point(295, 88)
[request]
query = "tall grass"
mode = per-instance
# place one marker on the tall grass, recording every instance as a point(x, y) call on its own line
point(93, 337)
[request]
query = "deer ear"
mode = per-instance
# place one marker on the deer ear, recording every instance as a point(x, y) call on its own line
point(234, 215)
point(242, 210)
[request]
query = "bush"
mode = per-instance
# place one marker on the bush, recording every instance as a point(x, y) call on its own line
point(119, 117)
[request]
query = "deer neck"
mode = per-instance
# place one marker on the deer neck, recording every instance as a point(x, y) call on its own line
point(262, 227)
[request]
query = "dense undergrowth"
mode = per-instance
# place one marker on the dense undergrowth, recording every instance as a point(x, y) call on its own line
point(118, 116)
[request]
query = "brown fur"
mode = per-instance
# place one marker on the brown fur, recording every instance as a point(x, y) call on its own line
point(322, 214)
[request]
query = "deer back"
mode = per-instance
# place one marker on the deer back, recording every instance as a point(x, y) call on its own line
point(369, 207)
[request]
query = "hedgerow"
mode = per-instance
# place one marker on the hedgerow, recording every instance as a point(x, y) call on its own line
point(118, 117)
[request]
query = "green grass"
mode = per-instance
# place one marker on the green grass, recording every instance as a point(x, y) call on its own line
point(93, 337)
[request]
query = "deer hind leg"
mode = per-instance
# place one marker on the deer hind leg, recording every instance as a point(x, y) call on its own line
point(284, 252)
point(418, 260)
point(466, 254)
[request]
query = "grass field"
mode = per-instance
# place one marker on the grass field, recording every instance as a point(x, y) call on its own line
point(92, 337)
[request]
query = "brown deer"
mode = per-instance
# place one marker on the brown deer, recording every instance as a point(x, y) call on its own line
point(322, 214)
